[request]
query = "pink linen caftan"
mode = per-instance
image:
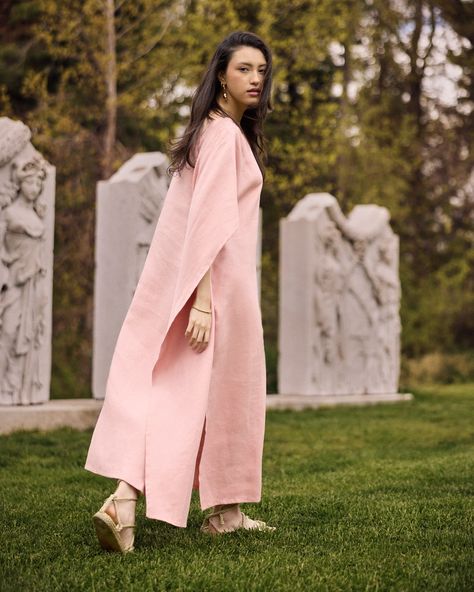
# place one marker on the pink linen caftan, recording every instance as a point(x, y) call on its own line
point(174, 419)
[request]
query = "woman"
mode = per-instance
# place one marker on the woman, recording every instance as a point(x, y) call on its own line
point(185, 398)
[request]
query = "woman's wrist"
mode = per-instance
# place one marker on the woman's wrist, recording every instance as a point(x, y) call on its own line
point(202, 302)
point(201, 309)
point(203, 292)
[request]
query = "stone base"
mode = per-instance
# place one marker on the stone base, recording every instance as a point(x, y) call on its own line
point(57, 413)
point(299, 402)
point(82, 414)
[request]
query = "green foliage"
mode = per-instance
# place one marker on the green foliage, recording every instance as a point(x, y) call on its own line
point(389, 143)
point(438, 368)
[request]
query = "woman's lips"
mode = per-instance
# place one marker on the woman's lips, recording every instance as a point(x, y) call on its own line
point(253, 92)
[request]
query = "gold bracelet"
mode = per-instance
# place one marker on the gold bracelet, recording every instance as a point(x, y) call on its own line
point(207, 311)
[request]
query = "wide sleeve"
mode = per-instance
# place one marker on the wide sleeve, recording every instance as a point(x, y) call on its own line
point(214, 213)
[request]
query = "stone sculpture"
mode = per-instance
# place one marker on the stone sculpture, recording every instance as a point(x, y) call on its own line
point(339, 300)
point(128, 208)
point(26, 259)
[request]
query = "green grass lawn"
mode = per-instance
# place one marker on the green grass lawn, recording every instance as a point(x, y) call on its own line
point(376, 498)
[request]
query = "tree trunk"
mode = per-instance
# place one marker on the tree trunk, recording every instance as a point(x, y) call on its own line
point(419, 207)
point(111, 91)
point(343, 158)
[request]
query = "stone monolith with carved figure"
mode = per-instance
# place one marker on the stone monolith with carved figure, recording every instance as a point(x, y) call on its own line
point(339, 300)
point(27, 194)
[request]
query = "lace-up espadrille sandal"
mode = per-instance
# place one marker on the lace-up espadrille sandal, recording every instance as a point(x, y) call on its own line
point(109, 533)
point(247, 523)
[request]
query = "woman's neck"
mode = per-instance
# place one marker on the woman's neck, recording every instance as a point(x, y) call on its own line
point(232, 110)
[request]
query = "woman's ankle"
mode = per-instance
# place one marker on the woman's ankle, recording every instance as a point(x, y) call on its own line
point(125, 507)
point(124, 489)
point(230, 518)
point(225, 506)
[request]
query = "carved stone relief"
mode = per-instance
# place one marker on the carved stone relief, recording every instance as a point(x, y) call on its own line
point(26, 251)
point(340, 293)
point(128, 208)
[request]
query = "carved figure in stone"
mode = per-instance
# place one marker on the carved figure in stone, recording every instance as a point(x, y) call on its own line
point(386, 286)
point(354, 303)
point(23, 295)
point(360, 309)
point(151, 194)
point(328, 287)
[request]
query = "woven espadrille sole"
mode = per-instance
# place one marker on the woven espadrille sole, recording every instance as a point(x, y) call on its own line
point(107, 534)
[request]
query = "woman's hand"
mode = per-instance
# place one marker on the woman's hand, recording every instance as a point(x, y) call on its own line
point(199, 328)
point(199, 325)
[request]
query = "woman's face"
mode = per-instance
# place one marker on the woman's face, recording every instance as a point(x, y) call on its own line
point(31, 187)
point(245, 72)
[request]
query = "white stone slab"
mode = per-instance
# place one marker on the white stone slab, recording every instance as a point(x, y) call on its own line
point(79, 414)
point(300, 402)
point(128, 208)
point(339, 324)
point(27, 195)
point(82, 414)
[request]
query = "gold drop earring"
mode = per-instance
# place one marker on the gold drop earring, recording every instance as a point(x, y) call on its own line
point(224, 94)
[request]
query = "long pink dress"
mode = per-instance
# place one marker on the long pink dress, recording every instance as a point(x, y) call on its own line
point(174, 419)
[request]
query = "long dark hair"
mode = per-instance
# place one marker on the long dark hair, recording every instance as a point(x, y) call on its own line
point(205, 99)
